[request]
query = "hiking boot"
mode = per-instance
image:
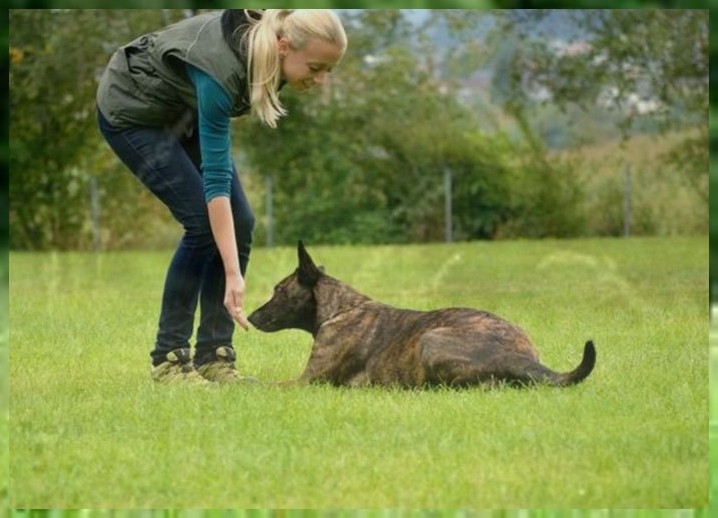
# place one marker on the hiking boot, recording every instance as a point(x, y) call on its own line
point(222, 369)
point(178, 369)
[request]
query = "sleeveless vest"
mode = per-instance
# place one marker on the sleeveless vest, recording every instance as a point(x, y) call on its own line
point(145, 83)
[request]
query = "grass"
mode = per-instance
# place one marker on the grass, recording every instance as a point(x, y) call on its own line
point(90, 430)
point(4, 407)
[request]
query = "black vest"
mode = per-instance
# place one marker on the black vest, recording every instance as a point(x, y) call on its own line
point(145, 82)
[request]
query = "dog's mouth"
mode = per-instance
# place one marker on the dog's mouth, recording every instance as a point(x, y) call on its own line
point(260, 322)
point(253, 319)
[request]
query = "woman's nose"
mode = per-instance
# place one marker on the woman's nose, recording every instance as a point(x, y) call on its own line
point(320, 77)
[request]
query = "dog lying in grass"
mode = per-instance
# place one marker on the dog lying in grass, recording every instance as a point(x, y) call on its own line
point(358, 341)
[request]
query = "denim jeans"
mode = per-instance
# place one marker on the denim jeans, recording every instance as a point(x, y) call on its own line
point(169, 166)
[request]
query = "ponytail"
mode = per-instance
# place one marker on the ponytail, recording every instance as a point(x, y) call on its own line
point(263, 65)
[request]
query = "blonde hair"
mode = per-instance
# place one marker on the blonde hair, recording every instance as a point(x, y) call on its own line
point(298, 26)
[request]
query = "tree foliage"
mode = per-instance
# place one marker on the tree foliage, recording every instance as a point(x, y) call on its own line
point(646, 67)
point(56, 57)
point(616, 58)
point(364, 159)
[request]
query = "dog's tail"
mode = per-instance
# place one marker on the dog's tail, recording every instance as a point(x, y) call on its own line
point(578, 374)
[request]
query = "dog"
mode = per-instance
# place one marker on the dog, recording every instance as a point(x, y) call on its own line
point(359, 342)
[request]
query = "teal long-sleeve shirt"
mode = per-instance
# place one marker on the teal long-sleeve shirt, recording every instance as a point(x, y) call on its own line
point(214, 108)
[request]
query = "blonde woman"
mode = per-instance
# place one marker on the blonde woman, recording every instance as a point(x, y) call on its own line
point(164, 102)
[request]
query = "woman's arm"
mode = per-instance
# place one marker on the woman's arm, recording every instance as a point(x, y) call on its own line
point(222, 223)
point(213, 106)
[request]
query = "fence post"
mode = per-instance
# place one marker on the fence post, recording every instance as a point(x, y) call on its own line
point(447, 205)
point(95, 213)
point(627, 201)
point(269, 208)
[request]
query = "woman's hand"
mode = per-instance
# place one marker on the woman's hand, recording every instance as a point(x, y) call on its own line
point(234, 299)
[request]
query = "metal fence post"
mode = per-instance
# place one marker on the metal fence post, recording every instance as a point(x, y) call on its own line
point(95, 213)
point(627, 201)
point(447, 206)
point(270, 212)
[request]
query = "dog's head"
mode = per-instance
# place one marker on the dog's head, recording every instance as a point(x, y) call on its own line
point(292, 304)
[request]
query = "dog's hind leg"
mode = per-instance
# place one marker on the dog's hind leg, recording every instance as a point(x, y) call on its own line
point(451, 358)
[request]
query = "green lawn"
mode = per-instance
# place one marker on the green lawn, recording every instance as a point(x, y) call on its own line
point(90, 430)
point(4, 403)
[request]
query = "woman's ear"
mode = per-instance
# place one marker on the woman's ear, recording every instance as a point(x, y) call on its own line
point(282, 46)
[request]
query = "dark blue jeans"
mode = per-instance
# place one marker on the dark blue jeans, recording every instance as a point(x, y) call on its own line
point(169, 166)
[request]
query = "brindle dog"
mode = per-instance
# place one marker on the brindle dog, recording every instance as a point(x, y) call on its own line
point(358, 341)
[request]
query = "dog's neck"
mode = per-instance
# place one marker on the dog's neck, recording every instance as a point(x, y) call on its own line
point(331, 302)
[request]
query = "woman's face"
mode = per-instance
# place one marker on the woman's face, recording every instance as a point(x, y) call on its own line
point(307, 67)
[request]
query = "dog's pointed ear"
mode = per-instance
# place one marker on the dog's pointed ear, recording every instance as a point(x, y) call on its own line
point(307, 272)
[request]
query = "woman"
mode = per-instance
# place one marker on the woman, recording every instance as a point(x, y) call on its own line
point(164, 104)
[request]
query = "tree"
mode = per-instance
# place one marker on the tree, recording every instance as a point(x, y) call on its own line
point(56, 57)
point(647, 67)
point(364, 160)
point(361, 161)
